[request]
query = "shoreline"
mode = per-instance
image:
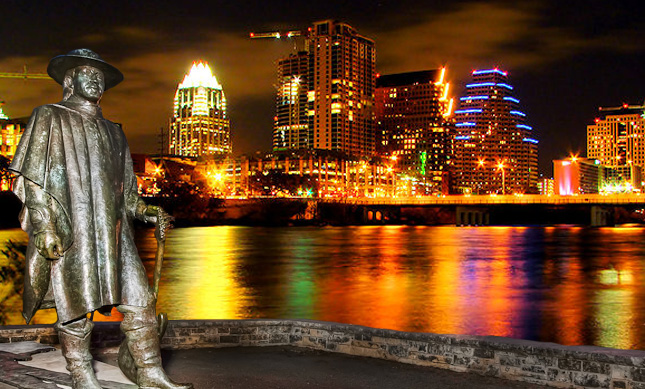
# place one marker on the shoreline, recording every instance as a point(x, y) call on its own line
point(511, 359)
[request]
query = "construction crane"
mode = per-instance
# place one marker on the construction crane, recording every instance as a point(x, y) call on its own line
point(26, 76)
point(279, 35)
point(276, 34)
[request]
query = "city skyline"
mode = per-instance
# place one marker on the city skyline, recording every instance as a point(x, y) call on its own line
point(565, 59)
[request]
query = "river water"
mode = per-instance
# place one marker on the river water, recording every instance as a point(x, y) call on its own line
point(565, 284)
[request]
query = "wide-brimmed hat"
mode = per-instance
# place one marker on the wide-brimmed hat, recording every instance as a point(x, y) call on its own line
point(59, 65)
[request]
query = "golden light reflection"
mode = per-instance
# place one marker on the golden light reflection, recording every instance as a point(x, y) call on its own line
point(200, 282)
point(391, 284)
point(445, 284)
point(496, 285)
point(613, 317)
point(561, 284)
point(374, 293)
point(571, 299)
point(618, 274)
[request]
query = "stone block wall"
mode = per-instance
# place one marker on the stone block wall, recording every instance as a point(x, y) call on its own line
point(535, 362)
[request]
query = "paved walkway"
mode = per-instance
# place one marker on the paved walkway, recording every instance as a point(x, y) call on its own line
point(257, 367)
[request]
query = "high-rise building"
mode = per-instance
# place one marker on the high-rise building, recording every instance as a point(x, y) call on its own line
point(10, 133)
point(200, 125)
point(339, 82)
point(414, 123)
point(617, 137)
point(495, 151)
point(291, 123)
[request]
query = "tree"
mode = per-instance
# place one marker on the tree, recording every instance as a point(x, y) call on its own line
point(5, 175)
point(12, 264)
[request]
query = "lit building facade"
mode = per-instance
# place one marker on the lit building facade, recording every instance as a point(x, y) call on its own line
point(622, 179)
point(291, 123)
point(574, 176)
point(339, 83)
point(495, 151)
point(200, 125)
point(301, 173)
point(10, 133)
point(546, 186)
point(617, 140)
point(414, 124)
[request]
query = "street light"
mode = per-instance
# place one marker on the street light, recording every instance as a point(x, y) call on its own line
point(481, 162)
point(500, 166)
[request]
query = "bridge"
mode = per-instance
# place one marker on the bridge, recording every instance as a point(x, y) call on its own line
point(590, 209)
point(598, 199)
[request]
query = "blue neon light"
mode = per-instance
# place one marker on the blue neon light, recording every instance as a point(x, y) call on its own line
point(462, 137)
point(508, 98)
point(480, 84)
point(473, 98)
point(487, 71)
point(531, 140)
point(518, 113)
point(465, 124)
point(524, 126)
point(505, 86)
point(473, 110)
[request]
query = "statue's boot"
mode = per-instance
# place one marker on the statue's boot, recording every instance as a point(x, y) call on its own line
point(140, 328)
point(74, 339)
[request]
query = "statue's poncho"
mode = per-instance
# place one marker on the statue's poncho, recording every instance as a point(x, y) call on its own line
point(83, 162)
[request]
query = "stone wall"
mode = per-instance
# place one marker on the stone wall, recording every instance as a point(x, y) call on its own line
point(542, 363)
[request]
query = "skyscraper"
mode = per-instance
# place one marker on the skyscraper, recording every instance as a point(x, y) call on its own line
point(339, 82)
point(414, 123)
point(291, 124)
point(200, 125)
point(495, 151)
point(618, 136)
point(617, 140)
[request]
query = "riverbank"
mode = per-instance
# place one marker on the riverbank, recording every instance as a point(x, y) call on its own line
point(316, 212)
point(504, 358)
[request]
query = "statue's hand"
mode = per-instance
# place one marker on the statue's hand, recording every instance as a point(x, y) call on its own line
point(48, 244)
point(160, 218)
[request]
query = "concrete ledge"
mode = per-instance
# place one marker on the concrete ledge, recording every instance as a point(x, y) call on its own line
point(534, 362)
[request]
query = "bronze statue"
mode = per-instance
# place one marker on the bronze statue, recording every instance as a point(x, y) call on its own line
point(79, 193)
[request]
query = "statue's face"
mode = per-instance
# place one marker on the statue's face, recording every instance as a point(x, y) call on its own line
point(89, 83)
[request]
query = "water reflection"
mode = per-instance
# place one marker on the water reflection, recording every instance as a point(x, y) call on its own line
point(568, 285)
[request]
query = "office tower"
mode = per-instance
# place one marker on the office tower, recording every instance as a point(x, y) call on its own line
point(200, 125)
point(617, 140)
point(618, 136)
point(291, 123)
point(339, 82)
point(495, 151)
point(341, 88)
point(11, 131)
point(414, 123)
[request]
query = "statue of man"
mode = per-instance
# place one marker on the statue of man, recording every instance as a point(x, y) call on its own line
point(76, 181)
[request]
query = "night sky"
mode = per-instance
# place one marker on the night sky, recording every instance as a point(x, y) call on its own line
point(565, 58)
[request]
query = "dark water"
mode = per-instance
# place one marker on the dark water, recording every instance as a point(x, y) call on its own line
point(568, 285)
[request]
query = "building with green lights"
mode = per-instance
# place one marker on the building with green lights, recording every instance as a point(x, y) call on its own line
point(415, 127)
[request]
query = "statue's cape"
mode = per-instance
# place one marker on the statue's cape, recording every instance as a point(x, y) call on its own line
point(83, 162)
